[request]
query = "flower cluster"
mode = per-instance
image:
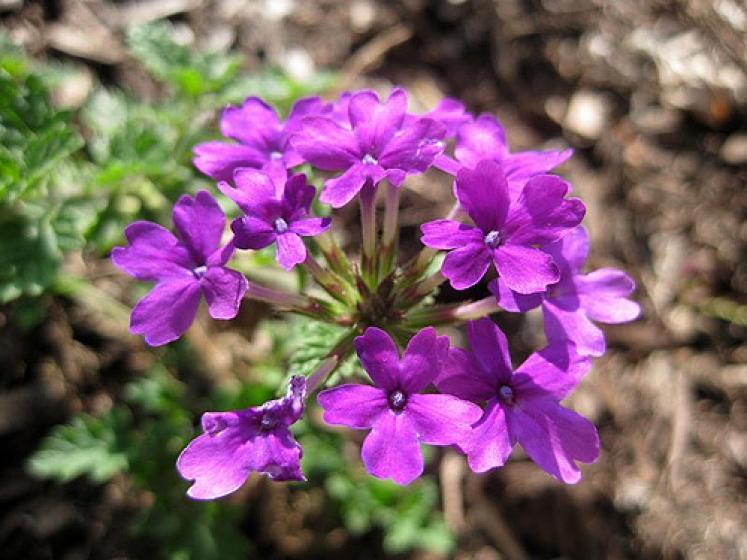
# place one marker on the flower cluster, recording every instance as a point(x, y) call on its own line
point(512, 222)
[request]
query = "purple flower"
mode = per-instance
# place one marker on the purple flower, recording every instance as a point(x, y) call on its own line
point(240, 442)
point(377, 146)
point(577, 299)
point(485, 138)
point(449, 112)
point(277, 211)
point(262, 138)
point(523, 405)
point(183, 268)
point(507, 233)
point(397, 412)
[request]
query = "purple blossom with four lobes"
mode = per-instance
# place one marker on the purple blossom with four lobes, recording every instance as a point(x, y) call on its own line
point(276, 209)
point(378, 144)
point(236, 443)
point(506, 232)
point(570, 305)
point(399, 415)
point(184, 269)
point(523, 405)
point(485, 138)
point(261, 138)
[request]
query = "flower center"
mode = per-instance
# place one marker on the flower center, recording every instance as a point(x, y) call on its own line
point(493, 239)
point(281, 226)
point(506, 394)
point(275, 154)
point(368, 159)
point(199, 271)
point(397, 400)
point(268, 422)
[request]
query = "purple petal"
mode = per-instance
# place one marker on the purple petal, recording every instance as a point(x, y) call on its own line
point(376, 123)
point(483, 193)
point(325, 144)
point(355, 406)
point(448, 234)
point(525, 269)
point(554, 437)
point(200, 223)
point(511, 301)
point(414, 148)
point(290, 250)
point(602, 295)
point(464, 267)
point(256, 193)
point(165, 313)
point(563, 322)
point(392, 450)
point(463, 377)
point(379, 357)
point(223, 289)
point(490, 348)
point(451, 113)
point(442, 419)
point(521, 166)
point(255, 124)
point(571, 252)
point(297, 197)
point(310, 226)
point(252, 233)
point(153, 253)
point(341, 190)
point(553, 371)
point(304, 107)
point(482, 139)
point(490, 443)
point(541, 214)
point(218, 160)
point(422, 360)
point(447, 164)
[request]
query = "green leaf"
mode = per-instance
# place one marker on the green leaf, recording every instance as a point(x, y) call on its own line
point(95, 447)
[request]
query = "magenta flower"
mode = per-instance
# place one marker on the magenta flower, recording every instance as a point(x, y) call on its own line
point(577, 299)
point(183, 268)
point(236, 443)
point(506, 233)
point(261, 138)
point(484, 138)
point(523, 405)
point(378, 145)
point(397, 412)
point(277, 211)
point(449, 112)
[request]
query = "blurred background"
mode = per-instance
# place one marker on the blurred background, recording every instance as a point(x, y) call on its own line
point(100, 104)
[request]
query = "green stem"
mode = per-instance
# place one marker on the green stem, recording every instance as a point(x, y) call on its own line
point(305, 305)
point(334, 255)
point(416, 293)
point(456, 313)
point(331, 283)
point(389, 234)
point(332, 361)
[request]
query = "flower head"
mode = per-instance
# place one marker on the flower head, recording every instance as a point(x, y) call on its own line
point(277, 211)
point(506, 232)
point(449, 112)
point(378, 144)
point(184, 268)
point(523, 405)
point(485, 138)
point(570, 305)
point(236, 443)
point(262, 139)
point(396, 410)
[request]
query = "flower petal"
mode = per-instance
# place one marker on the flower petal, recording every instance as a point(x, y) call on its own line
point(252, 233)
point(442, 419)
point(554, 371)
point(490, 443)
point(200, 223)
point(223, 289)
point(392, 450)
point(483, 193)
point(525, 269)
point(165, 313)
point(521, 166)
point(465, 267)
point(379, 357)
point(451, 113)
point(310, 226)
point(482, 139)
point(511, 301)
point(571, 252)
point(255, 124)
point(297, 197)
point(325, 144)
point(447, 164)
point(414, 147)
point(563, 323)
point(463, 377)
point(602, 295)
point(376, 123)
point(448, 234)
point(422, 360)
point(339, 191)
point(290, 250)
point(355, 406)
point(153, 253)
point(219, 160)
point(490, 348)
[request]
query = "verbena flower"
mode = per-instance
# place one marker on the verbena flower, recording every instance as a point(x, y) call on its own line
point(577, 299)
point(277, 211)
point(523, 405)
point(378, 145)
point(396, 410)
point(261, 138)
point(507, 233)
point(184, 269)
point(485, 138)
point(449, 112)
point(236, 443)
